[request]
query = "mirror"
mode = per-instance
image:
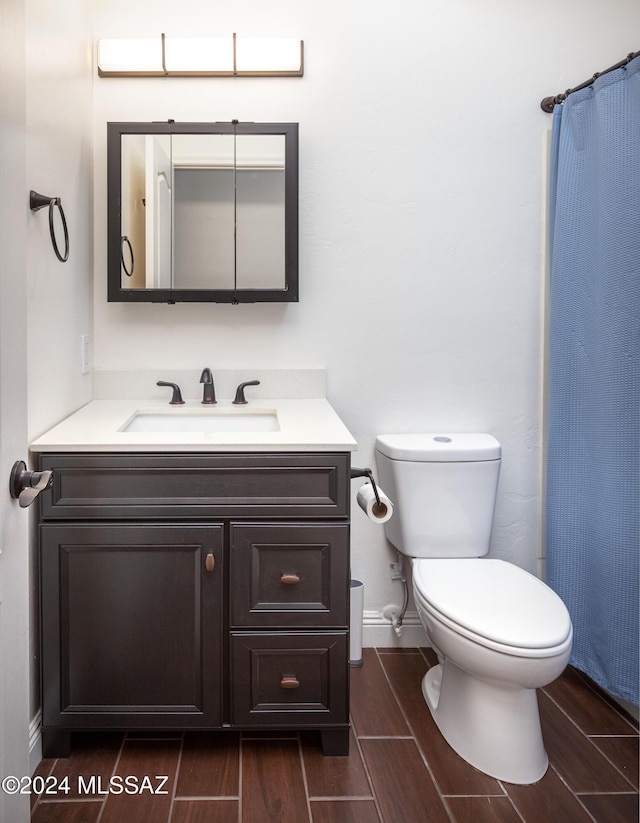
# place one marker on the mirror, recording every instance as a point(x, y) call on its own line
point(202, 212)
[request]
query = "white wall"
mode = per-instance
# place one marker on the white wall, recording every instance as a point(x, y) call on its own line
point(421, 192)
point(59, 162)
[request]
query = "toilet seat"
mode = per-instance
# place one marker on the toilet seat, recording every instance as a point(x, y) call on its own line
point(495, 604)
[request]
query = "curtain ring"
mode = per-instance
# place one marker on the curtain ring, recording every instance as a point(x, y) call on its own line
point(55, 201)
point(124, 239)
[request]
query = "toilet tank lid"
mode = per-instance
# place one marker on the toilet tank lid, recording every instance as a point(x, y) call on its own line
point(439, 447)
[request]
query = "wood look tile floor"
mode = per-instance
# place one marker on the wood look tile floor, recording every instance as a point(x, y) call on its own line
point(399, 769)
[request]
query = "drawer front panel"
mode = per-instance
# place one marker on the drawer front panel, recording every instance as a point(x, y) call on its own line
point(101, 486)
point(289, 575)
point(293, 679)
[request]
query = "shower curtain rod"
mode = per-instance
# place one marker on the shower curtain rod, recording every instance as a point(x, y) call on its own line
point(548, 103)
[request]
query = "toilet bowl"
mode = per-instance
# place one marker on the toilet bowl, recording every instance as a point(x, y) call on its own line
point(499, 632)
point(483, 618)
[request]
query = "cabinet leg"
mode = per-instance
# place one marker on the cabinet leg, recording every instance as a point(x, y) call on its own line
point(56, 743)
point(335, 742)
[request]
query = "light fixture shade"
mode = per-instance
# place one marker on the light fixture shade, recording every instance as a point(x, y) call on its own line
point(204, 55)
point(275, 55)
point(201, 57)
point(130, 56)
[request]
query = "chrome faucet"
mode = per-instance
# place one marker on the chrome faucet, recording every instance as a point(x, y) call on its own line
point(209, 390)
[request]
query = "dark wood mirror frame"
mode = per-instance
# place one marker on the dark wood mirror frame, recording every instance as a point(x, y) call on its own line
point(116, 292)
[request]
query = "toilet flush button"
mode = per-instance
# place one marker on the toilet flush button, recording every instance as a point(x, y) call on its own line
point(441, 439)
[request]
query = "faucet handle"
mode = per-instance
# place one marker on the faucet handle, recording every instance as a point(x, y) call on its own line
point(176, 399)
point(240, 398)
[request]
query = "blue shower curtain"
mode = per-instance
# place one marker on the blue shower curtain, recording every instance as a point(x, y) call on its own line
point(593, 458)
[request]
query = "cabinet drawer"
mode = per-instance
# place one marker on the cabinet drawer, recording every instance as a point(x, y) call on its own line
point(105, 486)
point(297, 679)
point(289, 575)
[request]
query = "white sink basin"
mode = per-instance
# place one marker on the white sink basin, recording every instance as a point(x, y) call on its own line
point(200, 420)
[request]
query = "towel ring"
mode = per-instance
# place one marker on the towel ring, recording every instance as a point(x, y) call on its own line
point(40, 201)
point(124, 239)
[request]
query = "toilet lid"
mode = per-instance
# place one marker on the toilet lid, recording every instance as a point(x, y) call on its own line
point(494, 599)
point(439, 447)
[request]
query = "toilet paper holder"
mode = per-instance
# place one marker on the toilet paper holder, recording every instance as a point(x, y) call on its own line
point(356, 472)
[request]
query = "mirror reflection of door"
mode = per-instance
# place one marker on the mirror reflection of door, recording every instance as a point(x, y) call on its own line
point(158, 211)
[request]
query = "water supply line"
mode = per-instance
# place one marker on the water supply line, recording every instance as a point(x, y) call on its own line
point(396, 622)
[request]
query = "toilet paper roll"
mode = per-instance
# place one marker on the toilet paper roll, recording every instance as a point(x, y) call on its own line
point(378, 512)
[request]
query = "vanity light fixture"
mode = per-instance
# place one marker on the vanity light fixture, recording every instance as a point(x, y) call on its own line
point(201, 57)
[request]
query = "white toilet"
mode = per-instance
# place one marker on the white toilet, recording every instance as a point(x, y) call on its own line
point(499, 632)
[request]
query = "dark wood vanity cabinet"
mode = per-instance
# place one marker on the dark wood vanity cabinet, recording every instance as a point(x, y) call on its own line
point(195, 591)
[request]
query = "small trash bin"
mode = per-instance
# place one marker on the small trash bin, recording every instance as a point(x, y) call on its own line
point(355, 625)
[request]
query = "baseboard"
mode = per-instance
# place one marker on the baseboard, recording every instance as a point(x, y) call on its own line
point(378, 631)
point(35, 742)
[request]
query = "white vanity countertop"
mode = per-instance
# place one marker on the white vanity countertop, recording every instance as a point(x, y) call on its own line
point(304, 425)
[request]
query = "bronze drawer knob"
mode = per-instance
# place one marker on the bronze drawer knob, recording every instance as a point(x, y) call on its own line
point(210, 562)
point(289, 681)
point(290, 579)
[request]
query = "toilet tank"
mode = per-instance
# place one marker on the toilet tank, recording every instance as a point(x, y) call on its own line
point(443, 489)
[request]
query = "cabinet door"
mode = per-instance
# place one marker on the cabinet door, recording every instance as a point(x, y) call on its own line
point(131, 625)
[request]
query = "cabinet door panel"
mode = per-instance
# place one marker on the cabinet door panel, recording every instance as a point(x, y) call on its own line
point(289, 575)
point(132, 625)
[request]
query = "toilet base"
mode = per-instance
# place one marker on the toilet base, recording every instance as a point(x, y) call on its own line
point(494, 727)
